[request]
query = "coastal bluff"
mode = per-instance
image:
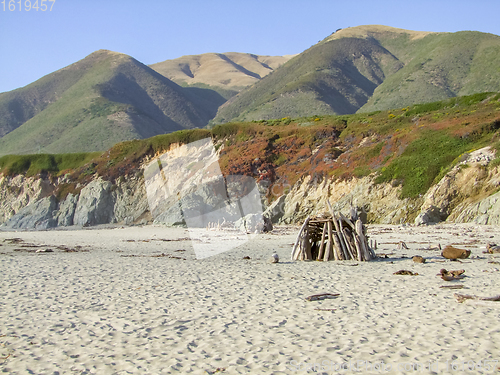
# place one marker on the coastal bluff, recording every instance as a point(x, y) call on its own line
point(468, 192)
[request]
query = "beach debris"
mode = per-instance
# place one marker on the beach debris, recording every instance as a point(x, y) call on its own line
point(274, 258)
point(418, 259)
point(451, 275)
point(493, 248)
point(246, 257)
point(76, 249)
point(333, 237)
point(160, 239)
point(217, 370)
point(455, 286)
point(13, 240)
point(319, 297)
point(450, 252)
point(218, 226)
point(462, 297)
point(405, 272)
point(44, 251)
point(162, 255)
point(432, 247)
point(402, 245)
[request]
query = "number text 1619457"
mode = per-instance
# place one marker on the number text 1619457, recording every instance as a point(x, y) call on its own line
point(27, 5)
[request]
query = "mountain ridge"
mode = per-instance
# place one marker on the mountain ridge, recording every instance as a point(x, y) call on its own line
point(107, 97)
point(432, 66)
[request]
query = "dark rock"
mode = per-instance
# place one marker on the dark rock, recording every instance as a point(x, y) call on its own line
point(254, 223)
point(38, 215)
point(431, 215)
point(66, 211)
point(418, 259)
point(276, 210)
point(95, 205)
point(450, 252)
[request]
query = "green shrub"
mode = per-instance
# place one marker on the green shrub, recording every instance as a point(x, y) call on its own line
point(361, 171)
point(31, 165)
point(422, 161)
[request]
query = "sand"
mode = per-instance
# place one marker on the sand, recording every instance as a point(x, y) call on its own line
point(135, 300)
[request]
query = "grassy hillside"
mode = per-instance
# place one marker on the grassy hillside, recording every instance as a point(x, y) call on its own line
point(335, 77)
point(439, 66)
point(412, 147)
point(99, 101)
point(368, 68)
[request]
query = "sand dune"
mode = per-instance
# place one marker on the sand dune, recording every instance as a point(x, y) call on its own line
point(135, 300)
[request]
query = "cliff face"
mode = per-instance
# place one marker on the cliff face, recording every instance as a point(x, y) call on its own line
point(100, 202)
point(18, 192)
point(378, 203)
point(467, 193)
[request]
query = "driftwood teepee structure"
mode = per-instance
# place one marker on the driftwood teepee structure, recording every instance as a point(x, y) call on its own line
point(333, 237)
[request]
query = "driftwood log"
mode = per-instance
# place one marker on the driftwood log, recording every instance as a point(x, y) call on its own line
point(319, 297)
point(333, 237)
point(463, 297)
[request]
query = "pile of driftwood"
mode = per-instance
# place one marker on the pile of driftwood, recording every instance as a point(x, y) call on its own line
point(333, 237)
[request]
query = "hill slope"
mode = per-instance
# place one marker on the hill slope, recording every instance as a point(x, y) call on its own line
point(94, 103)
point(370, 68)
point(231, 71)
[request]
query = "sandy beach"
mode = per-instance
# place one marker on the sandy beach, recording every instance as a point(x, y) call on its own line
point(135, 300)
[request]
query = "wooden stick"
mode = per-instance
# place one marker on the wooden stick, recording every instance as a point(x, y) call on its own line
point(317, 297)
point(354, 214)
point(350, 251)
point(322, 244)
point(349, 239)
point(302, 246)
point(293, 256)
point(330, 208)
point(332, 239)
point(463, 297)
point(328, 245)
point(348, 221)
point(369, 251)
point(364, 246)
point(307, 245)
point(329, 253)
point(338, 247)
point(340, 239)
point(358, 248)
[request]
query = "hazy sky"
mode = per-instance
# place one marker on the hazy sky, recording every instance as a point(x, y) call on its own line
point(33, 44)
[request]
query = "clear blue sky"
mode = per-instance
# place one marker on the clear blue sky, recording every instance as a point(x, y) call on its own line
point(33, 44)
